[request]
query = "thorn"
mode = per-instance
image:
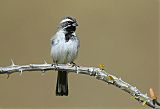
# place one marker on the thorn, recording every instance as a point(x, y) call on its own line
point(8, 75)
point(90, 73)
point(21, 71)
point(12, 63)
point(43, 72)
point(44, 61)
point(77, 69)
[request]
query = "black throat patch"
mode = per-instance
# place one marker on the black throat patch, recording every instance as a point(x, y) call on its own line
point(69, 35)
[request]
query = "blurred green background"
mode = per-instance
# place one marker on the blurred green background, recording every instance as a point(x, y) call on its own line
point(122, 34)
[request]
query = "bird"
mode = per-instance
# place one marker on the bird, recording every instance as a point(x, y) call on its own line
point(64, 50)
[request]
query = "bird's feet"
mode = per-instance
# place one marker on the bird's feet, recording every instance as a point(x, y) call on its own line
point(55, 65)
point(74, 64)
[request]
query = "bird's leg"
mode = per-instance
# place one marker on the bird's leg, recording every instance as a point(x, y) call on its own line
point(76, 66)
point(73, 64)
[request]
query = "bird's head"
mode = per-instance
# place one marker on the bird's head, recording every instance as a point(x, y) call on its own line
point(68, 24)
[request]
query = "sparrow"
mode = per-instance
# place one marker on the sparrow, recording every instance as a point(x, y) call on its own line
point(64, 50)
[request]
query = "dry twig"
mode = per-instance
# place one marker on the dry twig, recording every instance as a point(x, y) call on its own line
point(99, 73)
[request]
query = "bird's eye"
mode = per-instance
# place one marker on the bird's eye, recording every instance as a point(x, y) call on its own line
point(69, 22)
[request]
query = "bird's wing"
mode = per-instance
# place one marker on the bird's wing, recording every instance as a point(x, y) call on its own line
point(53, 40)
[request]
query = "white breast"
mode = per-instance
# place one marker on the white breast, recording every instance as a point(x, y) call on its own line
point(62, 51)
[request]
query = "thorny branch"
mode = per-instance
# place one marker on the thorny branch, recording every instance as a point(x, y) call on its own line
point(98, 73)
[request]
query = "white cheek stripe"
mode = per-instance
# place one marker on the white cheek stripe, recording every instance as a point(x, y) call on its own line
point(65, 20)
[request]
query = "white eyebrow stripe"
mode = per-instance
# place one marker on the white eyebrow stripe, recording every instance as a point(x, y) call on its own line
point(65, 20)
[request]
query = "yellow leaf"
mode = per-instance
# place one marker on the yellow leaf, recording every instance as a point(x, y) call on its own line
point(101, 66)
point(110, 77)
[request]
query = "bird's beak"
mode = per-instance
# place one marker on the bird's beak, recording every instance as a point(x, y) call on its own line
point(74, 24)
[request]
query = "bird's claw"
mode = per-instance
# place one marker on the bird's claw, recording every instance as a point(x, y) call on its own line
point(55, 66)
point(74, 64)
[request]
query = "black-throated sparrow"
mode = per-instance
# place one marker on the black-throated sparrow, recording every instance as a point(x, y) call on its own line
point(64, 50)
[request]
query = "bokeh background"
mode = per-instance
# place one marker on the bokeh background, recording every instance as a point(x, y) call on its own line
point(122, 34)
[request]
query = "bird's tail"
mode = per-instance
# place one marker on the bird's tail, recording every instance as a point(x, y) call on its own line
point(62, 84)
